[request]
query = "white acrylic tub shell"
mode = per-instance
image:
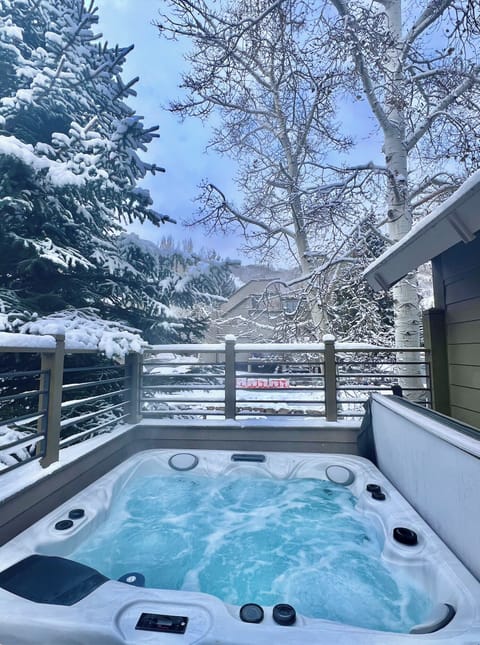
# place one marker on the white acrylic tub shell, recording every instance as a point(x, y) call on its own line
point(109, 614)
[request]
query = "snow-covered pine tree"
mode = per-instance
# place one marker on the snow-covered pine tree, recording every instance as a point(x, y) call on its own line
point(177, 290)
point(69, 164)
point(354, 310)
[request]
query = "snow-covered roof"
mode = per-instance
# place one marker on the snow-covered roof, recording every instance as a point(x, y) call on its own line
point(456, 220)
point(254, 287)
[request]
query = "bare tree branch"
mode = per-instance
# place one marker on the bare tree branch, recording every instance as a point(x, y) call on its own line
point(442, 107)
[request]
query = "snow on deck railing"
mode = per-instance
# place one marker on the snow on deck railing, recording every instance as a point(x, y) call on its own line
point(269, 347)
point(26, 342)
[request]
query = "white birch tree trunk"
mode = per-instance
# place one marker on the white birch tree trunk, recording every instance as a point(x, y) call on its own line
point(405, 293)
point(317, 314)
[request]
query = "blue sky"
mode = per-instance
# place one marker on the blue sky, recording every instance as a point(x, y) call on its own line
point(181, 147)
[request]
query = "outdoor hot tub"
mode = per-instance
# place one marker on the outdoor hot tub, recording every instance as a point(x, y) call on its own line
point(236, 548)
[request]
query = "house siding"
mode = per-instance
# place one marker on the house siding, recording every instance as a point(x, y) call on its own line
point(460, 274)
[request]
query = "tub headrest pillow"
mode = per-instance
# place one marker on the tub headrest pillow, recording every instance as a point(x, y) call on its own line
point(51, 580)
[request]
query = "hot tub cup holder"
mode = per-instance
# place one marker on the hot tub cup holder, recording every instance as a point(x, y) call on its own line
point(183, 461)
point(339, 474)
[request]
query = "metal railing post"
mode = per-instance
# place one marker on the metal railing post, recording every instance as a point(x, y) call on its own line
point(436, 351)
point(330, 378)
point(230, 378)
point(52, 364)
point(44, 389)
point(133, 372)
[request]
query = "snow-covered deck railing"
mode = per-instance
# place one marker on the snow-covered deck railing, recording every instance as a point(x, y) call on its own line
point(27, 343)
point(47, 405)
point(54, 395)
point(231, 380)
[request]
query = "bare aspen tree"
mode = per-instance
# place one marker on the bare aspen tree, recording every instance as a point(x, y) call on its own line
point(279, 73)
point(257, 67)
point(420, 77)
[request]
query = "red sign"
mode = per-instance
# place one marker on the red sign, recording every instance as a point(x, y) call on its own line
point(262, 383)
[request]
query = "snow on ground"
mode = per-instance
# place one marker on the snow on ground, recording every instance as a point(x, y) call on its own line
point(12, 456)
point(296, 401)
point(32, 472)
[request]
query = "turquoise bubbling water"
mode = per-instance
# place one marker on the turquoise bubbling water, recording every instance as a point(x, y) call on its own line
point(260, 540)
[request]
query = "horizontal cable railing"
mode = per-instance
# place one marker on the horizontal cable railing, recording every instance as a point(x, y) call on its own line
point(377, 370)
point(171, 375)
point(325, 380)
point(66, 399)
point(23, 416)
point(93, 399)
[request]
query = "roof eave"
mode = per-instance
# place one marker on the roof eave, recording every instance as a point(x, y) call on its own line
point(456, 220)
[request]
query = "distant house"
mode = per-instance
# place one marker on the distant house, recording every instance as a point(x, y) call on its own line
point(450, 238)
point(254, 312)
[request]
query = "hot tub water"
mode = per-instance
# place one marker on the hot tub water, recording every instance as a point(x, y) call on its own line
point(260, 540)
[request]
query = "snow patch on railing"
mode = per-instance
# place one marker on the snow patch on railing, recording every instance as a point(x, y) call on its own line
point(27, 341)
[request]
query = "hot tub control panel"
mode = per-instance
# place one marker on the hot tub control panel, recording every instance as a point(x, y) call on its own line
point(162, 623)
